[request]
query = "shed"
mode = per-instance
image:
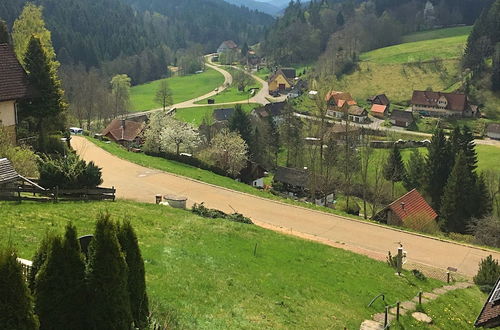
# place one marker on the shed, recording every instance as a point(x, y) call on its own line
point(9, 176)
point(402, 118)
point(253, 174)
point(380, 99)
point(379, 111)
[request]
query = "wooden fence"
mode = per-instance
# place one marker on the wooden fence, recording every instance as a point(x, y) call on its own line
point(26, 266)
point(32, 193)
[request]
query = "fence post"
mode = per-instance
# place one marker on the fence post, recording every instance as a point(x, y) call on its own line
point(448, 277)
point(397, 310)
point(385, 317)
point(420, 298)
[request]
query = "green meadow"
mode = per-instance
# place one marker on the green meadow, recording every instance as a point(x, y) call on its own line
point(195, 115)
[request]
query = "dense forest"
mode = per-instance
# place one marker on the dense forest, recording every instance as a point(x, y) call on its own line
point(306, 31)
point(117, 34)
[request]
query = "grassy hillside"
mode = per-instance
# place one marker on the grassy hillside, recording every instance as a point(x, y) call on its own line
point(183, 88)
point(205, 275)
point(437, 34)
point(195, 115)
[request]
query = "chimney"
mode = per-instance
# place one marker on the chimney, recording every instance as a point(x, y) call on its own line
point(403, 205)
point(123, 124)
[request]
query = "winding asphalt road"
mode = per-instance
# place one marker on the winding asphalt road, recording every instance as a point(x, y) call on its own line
point(139, 183)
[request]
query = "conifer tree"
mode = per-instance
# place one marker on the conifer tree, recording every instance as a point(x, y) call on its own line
point(394, 169)
point(48, 104)
point(240, 122)
point(16, 306)
point(4, 33)
point(481, 201)
point(415, 169)
point(139, 304)
point(457, 206)
point(495, 75)
point(469, 148)
point(438, 168)
point(60, 294)
point(109, 303)
point(39, 259)
point(488, 273)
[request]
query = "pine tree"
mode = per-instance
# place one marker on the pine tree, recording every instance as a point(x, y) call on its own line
point(39, 259)
point(109, 303)
point(481, 202)
point(240, 122)
point(469, 148)
point(48, 104)
point(415, 169)
point(394, 169)
point(438, 168)
point(488, 273)
point(340, 19)
point(244, 49)
point(495, 75)
point(457, 202)
point(60, 295)
point(136, 275)
point(4, 33)
point(16, 306)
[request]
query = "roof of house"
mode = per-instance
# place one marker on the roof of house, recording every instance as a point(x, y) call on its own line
point(289, 72)
point(412, 204)
point(292, 176)
point(456, 101)
point(229, 44)
point(123, 130)
point(7, 171)
point(251, 172)
point(378, 108)
point(401, 115)
point(382, 98)
point(357, 111)
point(271, 109)
point(280, 72)
point(490, 314)
point(13, 80)
point(223, 114)
point(339, 98)
point(493, 128)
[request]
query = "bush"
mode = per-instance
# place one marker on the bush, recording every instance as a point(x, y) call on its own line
point(53, 145)
point(422, 223)
point(68, 173)
point(488, 274)
point(205, 212)
point(486, 231)
point(419, 275)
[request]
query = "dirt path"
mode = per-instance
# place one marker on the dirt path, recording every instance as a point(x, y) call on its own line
point(139, 183)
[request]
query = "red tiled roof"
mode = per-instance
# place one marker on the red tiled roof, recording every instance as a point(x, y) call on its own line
point(340, 98)
point(13, 79)
point(230, 44)
point(412, 204)
point(456, 101)
point(129, 133)
point(377, 108)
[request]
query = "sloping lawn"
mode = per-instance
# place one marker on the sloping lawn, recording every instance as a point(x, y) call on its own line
point(183, 88)
point(438, 34)
point(206, 274)
point(195, 115)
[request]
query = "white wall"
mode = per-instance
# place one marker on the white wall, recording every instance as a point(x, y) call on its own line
point(7, 113)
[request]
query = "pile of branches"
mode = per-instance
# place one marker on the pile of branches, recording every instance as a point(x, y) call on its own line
point(206, 212)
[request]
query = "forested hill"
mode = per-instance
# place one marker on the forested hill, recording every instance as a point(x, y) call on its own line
point(306, 31)
point(91, 31)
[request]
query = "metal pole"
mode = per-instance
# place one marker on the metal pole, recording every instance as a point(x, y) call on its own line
point(399, 260)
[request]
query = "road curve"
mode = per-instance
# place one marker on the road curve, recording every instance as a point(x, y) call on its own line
point(139, 183)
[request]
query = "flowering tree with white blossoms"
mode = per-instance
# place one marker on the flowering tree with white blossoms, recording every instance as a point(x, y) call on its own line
point(176, 134)
point(229, 151)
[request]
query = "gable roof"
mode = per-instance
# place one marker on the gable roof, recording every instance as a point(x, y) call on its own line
point(339, 98)
point(289, 72)
point(271, 109)
point(13, 79)
point(223, 114)
point(292, 176)
point(411, 204)
point(280, 72)
point(378, 108)
point(380, 98)
point(229, 44)
point(355, 110)
point(456, 101)
point(123, 130)
point(7, 171)
point(252, 171)
point(490, 314)
point(401, 115)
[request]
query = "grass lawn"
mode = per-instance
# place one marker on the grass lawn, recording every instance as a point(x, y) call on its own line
point(205, 273)
point(183, 88)
point(437, 34)
point(232, 94)
point(444, 48)
point(454, 310)
point(195, 115)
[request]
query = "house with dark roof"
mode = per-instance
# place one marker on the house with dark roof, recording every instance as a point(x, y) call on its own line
point(273, 110)
point(493, 131)
point(227, 46)
point(341, 132)
point(410, 205)
point(490, 314)
point(281, 80)
point(380, 99)
point(439, 104)
point(220, 115)
point(402, 118)
point(253, 174)
point(13, 87)
point(124, 132)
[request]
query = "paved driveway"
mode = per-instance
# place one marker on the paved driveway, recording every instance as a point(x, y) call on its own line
point(139, 183)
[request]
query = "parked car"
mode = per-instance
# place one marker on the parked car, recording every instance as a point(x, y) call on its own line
point(76, 130)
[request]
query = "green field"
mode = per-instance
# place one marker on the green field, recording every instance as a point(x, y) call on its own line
point(195, 115)
point(437, 34)
point(232, 94)
point(205, 274)
point(183, 88)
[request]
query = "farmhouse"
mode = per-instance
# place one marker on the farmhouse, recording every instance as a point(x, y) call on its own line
point(409, 206)
point(402, 118)
point(124, 132)
point(13, 87)
point(493, 131)
point(227, 46)
point(253, 174)
point(440, 104)
point(282, 80)
point(336, 99)
point(490, 314)
point(221, 115)
point(379, 111)
point(342, 105)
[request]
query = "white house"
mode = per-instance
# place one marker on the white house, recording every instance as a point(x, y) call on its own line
point(226, 46)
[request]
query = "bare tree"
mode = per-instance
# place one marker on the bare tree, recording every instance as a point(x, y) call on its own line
point(164, 94)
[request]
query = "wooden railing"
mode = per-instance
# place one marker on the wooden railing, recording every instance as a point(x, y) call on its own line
point(32, 193)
